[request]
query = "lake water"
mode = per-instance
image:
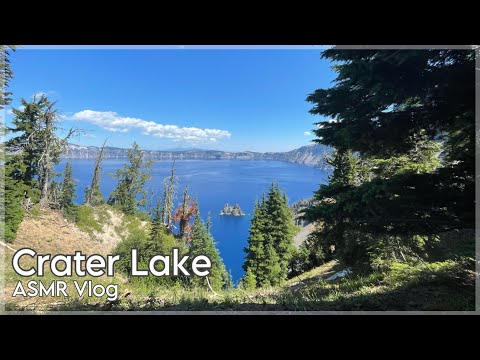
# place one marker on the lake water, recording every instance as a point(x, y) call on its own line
point(215, 183)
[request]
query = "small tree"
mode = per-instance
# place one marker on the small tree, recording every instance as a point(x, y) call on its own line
point(67, 193)
point(131, 182)
point(202, 243)
point(255, 260)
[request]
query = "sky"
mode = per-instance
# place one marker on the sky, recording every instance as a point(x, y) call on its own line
point(224, 99)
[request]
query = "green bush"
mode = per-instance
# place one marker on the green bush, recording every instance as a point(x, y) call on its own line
point(85, 219)
point(147, 247)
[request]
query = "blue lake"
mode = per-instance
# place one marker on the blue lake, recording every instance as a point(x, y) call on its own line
point(215, 183)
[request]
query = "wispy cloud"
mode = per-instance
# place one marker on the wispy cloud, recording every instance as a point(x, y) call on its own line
point(88, 135)
point(111, 121)
point(307, 133)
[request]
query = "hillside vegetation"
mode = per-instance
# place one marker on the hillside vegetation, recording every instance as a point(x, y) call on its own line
point(396, 216)
point(442, 285)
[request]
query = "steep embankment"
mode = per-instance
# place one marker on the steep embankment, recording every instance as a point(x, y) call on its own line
point(98, 231)
point(311, 155)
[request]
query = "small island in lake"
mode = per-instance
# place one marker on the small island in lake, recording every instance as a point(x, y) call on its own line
point(232, 210)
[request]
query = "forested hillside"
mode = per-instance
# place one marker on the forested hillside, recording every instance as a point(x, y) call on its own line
point(393, 228)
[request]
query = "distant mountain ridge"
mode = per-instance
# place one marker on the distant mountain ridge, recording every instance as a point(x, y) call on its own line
point(311, 155)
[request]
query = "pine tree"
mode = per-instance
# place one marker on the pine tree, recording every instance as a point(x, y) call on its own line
point(392, 109)
point(248, 282)
point(93, 195)
point(13, 197)
point(255, 260)
point(202, 243)
point(280, 231)
point(67, 188)
point(274, 266)
point(270, 244)
point(12, 188)
point(331, 231)
point(131, 182)
point(39, 145)
point(67, 193)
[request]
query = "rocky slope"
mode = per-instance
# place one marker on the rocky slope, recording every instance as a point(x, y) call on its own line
point(311, 155)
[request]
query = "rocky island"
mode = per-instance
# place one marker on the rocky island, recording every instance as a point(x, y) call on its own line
point(232, 210)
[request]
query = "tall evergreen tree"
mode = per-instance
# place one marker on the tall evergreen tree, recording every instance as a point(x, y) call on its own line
point(392, 108)
point(93, 195)
point(202, 243)
point(280, 230)
point(12, 188)
point(131, 182)
point(331, 227)
point(39, 145)
point(270, 244)
point(13, 194)
point(255, 263)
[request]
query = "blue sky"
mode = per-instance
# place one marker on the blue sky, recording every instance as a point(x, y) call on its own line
point(231, 100)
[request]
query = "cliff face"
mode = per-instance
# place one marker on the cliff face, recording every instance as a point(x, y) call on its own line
point(311, 155)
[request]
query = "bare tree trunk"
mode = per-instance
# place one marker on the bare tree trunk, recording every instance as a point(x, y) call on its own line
point(44, 190)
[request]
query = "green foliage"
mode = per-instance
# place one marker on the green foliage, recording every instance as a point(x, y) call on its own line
point(6, 74)
point(391, 195)
point(255, 261)
point(202, 243)
point(248, 282)
point(438, 286)
point(301, 261)
point(137, 239)
point(85, 220)
point(37, 147)
point(67, 194)
point(131, 182)
point(148, 245)
point(280, 230)
point(12, 194)
point(270, 244)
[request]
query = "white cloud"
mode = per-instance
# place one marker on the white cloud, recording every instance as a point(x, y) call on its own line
point(91, 136)
point(111, 121)
point(307, 133)
point(9, 111)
